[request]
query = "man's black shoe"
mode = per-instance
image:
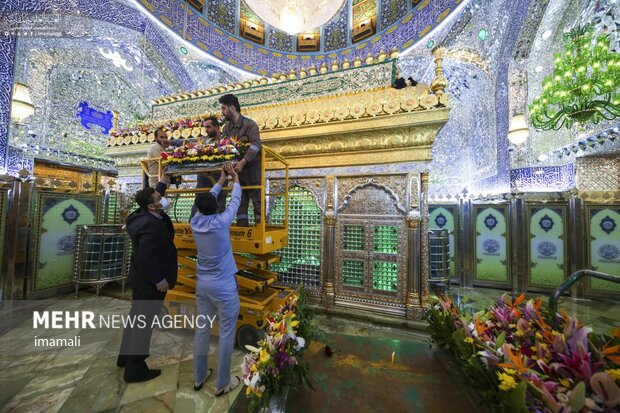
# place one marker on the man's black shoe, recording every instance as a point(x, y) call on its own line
point(150, 374)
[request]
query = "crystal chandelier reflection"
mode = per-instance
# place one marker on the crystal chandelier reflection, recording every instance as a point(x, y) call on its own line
point(294, 16)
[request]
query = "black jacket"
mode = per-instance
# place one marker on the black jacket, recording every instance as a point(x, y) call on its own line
point(154, 255)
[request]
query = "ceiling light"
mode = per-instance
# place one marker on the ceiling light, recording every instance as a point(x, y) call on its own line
point(292, 16)
point(546, 34)
point(518, 131)
point(538, 69)
point(543, 158)
point(21, 104)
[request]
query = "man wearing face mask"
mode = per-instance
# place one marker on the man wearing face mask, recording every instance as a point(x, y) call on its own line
point(152, 272)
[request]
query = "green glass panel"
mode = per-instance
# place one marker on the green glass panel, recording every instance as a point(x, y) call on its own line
point(250, 211)
point(385, 239)
point(353, 238)
point(300, 261)
point(353, 273)
point(385, 276)
point(180, 208)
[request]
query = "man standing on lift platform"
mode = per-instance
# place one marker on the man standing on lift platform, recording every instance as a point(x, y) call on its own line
point(249, 168)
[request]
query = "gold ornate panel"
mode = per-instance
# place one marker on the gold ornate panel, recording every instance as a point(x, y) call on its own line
point(393, 185)
point(415, 191)
point(316, 186)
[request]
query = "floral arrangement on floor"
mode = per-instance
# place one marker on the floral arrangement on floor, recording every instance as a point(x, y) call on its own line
point(521, 358)
point(277, 363)
point(226, 149)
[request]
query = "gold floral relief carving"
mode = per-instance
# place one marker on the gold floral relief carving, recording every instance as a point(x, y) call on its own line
point(425, 263)
point(379, 102)
point(413, 222)
point(605, 197)
point(329, 187)
point(415, 191)
point(128, 160)
point(370, 200)
point(357, 142)
point(316, 186)
point(393, 185)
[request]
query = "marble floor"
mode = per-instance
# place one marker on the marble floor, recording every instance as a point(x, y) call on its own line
point(86, 379)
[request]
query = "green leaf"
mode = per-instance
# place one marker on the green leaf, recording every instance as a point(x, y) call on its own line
point(515, 399)
point(578, 397)
point(500, 340)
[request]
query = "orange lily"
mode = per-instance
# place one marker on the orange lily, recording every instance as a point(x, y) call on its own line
point(480, 328)
point(516, 361)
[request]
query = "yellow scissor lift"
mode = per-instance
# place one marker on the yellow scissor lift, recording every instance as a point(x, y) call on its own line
point(253, 249)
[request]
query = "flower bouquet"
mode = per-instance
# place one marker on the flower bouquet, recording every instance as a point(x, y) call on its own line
point(199, 152)
point(276, 364)
point(522, 358)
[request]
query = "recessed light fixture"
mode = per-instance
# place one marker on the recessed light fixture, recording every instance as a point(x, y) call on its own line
point(538, 69)
point(543, 157)
point(546, 34)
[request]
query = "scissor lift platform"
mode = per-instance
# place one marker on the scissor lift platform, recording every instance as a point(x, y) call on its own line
point(253, 249)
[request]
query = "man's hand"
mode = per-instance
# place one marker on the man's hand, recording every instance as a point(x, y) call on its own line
point(222, 179)
point(163, 286)
point(231, 170)
point(239, 165)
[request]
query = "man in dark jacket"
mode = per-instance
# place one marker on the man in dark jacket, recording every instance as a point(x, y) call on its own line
point(153, 271)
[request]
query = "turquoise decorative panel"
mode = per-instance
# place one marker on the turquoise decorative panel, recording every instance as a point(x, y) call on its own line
point(57, 217)
point(604, 248)
point(446, 217)
point(491, 265)
point(548, 257)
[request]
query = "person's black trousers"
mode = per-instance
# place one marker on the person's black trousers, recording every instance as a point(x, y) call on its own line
point(136, 343)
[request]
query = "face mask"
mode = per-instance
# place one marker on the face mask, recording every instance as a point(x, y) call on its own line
point(165, 203)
